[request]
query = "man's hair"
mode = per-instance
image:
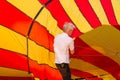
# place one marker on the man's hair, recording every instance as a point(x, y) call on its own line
point(68, 26)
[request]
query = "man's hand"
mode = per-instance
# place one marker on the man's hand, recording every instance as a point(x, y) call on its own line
point(72, 51)
point(74, 38)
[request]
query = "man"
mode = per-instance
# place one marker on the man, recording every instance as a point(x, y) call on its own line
point(63, 43)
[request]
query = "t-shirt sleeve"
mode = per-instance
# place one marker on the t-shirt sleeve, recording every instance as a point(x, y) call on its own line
point(71, 45)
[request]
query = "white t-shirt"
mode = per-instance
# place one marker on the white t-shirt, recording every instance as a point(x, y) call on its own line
point(62, 44)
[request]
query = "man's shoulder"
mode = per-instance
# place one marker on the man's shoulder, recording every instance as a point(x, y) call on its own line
point(59, 35)
point(70, 39)
point(64, 35)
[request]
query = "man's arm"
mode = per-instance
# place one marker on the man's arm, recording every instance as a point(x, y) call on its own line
point(72, 47)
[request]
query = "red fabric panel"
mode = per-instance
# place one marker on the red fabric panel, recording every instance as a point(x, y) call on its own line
point(15, 78)
point(108, 8)
point(80, 73)
point(18, 61)
point(88, 12)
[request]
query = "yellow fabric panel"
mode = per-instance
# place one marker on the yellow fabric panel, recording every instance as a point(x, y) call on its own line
point(107, 77)
point(47, 20)
point(24, 5)
point(97, 7)
point(41, 54)
point(12, 41)
point(18, 42)
point(87, 67)
point(31, 7)
point(106, 40)
point(116, 7)
point(13, 72)
point(36, 78)
point(74, 77)
point(75, 15)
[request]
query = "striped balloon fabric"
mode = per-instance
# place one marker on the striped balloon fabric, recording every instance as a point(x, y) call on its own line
point(97, 43)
